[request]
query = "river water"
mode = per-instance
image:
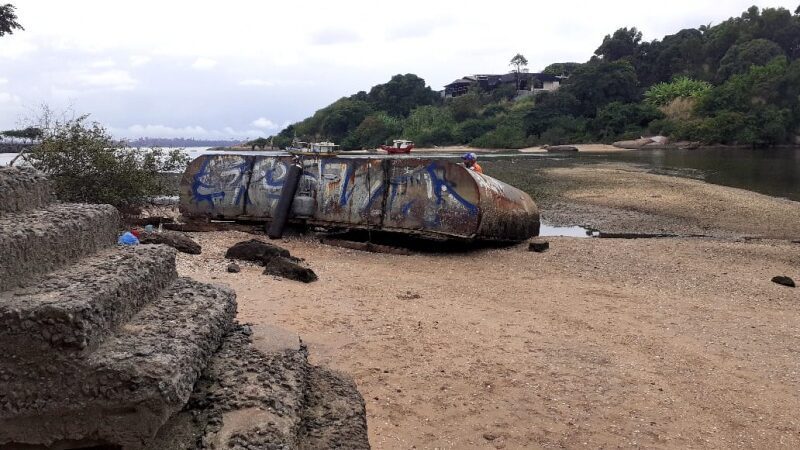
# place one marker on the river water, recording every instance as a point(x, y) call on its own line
point(773, 172)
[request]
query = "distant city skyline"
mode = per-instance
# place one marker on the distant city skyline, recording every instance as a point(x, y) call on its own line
point(209, 71)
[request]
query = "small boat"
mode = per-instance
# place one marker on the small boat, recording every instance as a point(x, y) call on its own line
point(313, 148)
point(399, 146)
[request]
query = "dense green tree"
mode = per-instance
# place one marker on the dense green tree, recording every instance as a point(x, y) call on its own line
point(374, 130)
point(343, 117)
point(624, 43)
point(598, 84)
point(677, 54)
point(8, 20)
point(430, 125)
point(559, 69)
point(739, 58)
point(261, 143)
point(623, 120)
point(402, 94)
point(465, 106)
point(548, 107)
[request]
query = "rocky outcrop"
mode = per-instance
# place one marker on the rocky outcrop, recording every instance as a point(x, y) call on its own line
point(105, 346)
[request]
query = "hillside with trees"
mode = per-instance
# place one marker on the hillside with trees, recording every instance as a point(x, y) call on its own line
point(737, 82)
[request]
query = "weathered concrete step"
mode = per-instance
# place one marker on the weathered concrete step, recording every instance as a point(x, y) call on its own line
point(74, 308)
point(251, 395)
point(126, 389)
point(23, 189)
point(39, 241)
point(335, 416)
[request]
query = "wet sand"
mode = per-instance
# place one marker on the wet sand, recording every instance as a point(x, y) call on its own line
point(658, 343)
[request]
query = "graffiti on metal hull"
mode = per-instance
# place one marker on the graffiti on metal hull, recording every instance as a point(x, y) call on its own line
point(216, 178)
point(398, 194)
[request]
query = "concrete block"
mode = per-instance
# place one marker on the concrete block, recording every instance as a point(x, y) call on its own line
point(126, 389)
point(39, 241)
point(23, 189)
point(73, 309)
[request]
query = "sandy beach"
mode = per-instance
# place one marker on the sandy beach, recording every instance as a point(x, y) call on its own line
point(658, 343)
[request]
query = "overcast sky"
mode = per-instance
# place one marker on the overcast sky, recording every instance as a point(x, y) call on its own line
point(236, 69)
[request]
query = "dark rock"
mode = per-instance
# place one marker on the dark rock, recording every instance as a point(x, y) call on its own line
point(175, 239)
point(286, 268)
point(256, 251)
point(783, 281)
point(538, 246)
point(234, 268)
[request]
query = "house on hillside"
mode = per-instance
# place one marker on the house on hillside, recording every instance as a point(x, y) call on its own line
point(528, 83)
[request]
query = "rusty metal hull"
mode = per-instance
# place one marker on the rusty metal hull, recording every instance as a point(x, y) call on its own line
point(429, 197)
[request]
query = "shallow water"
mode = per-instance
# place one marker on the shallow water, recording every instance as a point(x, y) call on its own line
point(575, 231)
point(774, 172)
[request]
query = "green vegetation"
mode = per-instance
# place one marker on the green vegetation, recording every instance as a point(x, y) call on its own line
point(86, 164)
point(737, 82)
point(8, 20)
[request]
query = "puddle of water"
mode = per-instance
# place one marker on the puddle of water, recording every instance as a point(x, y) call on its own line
point(576, 231)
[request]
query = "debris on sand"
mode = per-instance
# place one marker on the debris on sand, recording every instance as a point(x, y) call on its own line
point(175, 239)
point(277, 261)
point(784, 281)
point(538, 246)
point(255, 251)
point(286, 268)
point(408, 295)
point(234, 268)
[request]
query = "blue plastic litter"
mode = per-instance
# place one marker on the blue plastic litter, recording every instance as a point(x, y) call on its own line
point(128, 239)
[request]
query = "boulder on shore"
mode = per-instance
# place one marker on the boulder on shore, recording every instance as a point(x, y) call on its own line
point(645, 142)
point(560, 148)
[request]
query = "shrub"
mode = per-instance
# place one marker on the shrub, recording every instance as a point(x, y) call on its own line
point(86, 164)
point(663, 94)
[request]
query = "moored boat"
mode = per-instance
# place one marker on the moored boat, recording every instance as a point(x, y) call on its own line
point(399, 146)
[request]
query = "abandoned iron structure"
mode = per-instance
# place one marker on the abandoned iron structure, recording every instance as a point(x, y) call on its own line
point(432, 198)
point(104, 346)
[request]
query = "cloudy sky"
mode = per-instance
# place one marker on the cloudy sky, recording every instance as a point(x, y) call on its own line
point(237, 69)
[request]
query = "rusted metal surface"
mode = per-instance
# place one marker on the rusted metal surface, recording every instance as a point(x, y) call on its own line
point(410, 195)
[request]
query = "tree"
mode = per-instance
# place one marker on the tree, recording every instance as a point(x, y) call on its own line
point(261, 143)
point(739, 58)
point(559, 69)
point(86, 164)
point(597, 84)
point(8, 20)
point(518, 62)
point(623, 43)
point(401, 94)
point(374, 130)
